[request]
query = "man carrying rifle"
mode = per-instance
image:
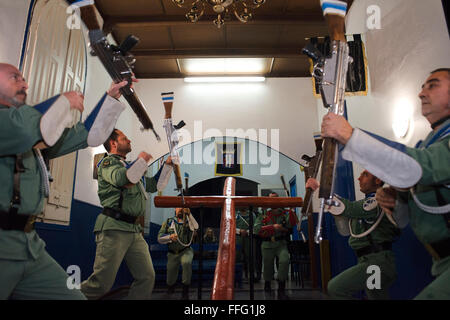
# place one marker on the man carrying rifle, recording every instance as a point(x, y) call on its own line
point(371, 236)
point(178, 232)
point(30, 134)
point(420, 175)
point(274, 228)
point(122, 189)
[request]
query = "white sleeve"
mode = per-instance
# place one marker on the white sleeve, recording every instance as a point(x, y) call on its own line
point(136, 171)
point(102, 120)
point(387, 160)
point(56, 118)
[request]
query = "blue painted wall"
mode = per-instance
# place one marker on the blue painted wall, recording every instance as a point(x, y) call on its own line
point(75, 244)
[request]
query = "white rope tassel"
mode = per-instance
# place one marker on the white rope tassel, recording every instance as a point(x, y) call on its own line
point(44, 173)
point(365, 233)
point(433, 210)
point(178, 238)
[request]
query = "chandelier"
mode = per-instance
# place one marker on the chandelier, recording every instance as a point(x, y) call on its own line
point(224, 8)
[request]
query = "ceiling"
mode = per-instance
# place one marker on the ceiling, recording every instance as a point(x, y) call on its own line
point(277, 31)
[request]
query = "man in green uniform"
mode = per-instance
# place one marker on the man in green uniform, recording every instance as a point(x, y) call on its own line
point(30, 134)
point(177, 232)
point(122, 189)
point(371, 236)
point(422, 171)
point(274, 227)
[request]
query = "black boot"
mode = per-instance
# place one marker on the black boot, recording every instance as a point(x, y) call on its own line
point(185, 294)
point(267, 287)
point(171, 289)
point(281, 291)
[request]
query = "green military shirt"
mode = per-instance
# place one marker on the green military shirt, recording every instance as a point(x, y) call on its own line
point(433, 155)
point(182, 230)
point(271, 217)
point(112, 181)
point(362, 216)
point(21, 131)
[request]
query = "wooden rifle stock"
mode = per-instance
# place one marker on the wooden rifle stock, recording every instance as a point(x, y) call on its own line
point(89, 17)
point(328, 168)
point(178, 181)
point(186, 183)
point(284, 185)
point(336, 27)
point(315, 163)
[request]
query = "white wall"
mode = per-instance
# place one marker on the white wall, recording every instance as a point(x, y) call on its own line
point(12, 25)
point(283, 104)
point(413, 40)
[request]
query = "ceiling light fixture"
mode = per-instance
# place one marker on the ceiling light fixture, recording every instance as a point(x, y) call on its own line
point(225, 66)
point(224, 79)
point(240, 8)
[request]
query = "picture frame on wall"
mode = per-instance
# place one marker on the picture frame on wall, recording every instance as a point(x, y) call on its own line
point(228, 159)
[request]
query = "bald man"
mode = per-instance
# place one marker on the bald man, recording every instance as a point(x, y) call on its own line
point(31, 134)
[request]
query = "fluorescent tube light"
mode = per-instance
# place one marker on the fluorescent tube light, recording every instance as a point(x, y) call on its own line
point(224, 79)
point(220, 66)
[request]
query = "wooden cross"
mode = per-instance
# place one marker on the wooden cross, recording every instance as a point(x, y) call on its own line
point(223, 285)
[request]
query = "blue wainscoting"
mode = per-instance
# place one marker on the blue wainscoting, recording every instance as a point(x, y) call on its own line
point(75, 244)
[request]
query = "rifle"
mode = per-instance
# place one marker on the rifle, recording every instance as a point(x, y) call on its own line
point(186, 182)
point(331, 73)
point(117, 61)
point(172, 137)
point(311, 172)
point(287, 195)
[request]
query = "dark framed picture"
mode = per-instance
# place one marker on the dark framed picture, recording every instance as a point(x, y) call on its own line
point(228, 159)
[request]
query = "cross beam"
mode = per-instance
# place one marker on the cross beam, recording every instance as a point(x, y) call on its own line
point(223, 285)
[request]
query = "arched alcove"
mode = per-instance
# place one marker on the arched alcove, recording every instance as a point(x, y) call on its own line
point(204, 180)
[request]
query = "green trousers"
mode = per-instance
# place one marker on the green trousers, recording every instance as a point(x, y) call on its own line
point(353, 280)
point(277, 249)
point(173, 265)
point(33, 279)
point(113, 246)
point(439, 288)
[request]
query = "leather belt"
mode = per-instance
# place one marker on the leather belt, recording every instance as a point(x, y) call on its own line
point(177, 251)
point(439, 249)
point(118, 215)
point(376, 247)
point(20, 222)
point(273, 239)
